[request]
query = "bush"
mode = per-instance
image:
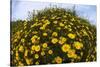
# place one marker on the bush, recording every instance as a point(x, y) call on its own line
point(52, 36)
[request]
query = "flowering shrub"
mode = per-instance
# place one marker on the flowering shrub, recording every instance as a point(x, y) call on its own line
point(52, 36)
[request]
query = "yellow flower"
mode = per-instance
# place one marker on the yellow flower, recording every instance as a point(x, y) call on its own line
point(33, 47)
point(81, 53)
point(37, 63)
point(65, 47)
point(69, 26)
point(17, 54)
point(36, 56)
point(34, 32)
point(50, 51)
point(26, 53)
point(36, 19)
point(35, 24)
point(71, 53)
point(71, 23)
point(64, 16)
point(34, 38)
point(72, 36)
point(21, 48)
point(32, 52)
point(53, 17)
point(18, 32)
point(78, 45)
point(23, 40)
point(54, 34)
point(21, 31)
point(45, 45)
point(28, 61)
point(66, 27)
point(42, 53)
point(69, 29)
point(45, 34)
point(15, 40)
point(78, 57)
point(17, 57)
point(55, 22)
point(25, 27)
point(72, 19)
point(58, 60)
point(59, 28)
point(37, 48)
point(20, 63)
point(62, 40)
point(84, 32)
point(47, 22)
point(87, 28)
point(42, 20)
point(42, 28)
point(54, 40)
point(61, 24)
point(44, 17)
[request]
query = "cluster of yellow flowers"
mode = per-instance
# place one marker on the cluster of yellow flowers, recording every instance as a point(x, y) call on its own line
point(36, 48)
point(53, 39)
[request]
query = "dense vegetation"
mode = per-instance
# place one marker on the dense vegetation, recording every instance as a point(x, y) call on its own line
point(52, 36)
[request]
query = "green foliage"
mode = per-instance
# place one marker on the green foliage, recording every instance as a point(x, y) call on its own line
point(52, 36)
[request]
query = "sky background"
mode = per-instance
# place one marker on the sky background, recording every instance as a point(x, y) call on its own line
point(20, 9)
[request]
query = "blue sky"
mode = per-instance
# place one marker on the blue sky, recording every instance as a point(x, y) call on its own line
point(20, 9)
